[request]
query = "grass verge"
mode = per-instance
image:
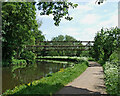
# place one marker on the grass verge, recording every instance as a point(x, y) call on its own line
point(52, 83)
point(54, 61)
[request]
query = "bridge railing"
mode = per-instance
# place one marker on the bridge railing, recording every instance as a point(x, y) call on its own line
point(62, 45)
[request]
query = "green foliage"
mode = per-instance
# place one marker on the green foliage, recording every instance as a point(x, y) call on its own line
point(65, 58)
point(114, 57)
point(106, 48)
point(18, 19)
point(57, 9)
point(19, 28)
point(111, 78)
point(106, 41)
point(53, 82)
point(100, 1)
point(18, 62)
point(111, 70)
point(29, 56)
point(38, 37)
point(90, 59)
point(63, 52)
point(5, 63)
point(85, 54)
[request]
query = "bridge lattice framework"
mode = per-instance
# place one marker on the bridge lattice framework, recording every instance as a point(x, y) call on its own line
point(61, 45)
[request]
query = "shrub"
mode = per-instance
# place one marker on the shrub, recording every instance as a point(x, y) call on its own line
point(18, 62)
point(114, 57)
point(29, 56)
point(111, 77)
point(90, 59)
point(5, 63)
point(112, 74)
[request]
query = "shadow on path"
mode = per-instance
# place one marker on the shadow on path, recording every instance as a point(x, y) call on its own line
point(94, 64)
point(89, 82)
point(75, 90)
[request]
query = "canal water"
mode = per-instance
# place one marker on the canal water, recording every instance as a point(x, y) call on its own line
point(28, 74)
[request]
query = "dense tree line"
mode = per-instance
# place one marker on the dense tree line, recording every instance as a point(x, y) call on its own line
point(106, 42)
point(62, 45)
point(20, 28)
point(106, 51)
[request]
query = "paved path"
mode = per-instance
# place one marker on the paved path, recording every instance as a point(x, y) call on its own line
point(89, 82)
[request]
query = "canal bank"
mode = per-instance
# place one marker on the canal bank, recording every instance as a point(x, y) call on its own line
point(11, 78)
point(53, 82)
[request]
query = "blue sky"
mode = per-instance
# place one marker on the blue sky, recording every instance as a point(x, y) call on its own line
point(88, 18)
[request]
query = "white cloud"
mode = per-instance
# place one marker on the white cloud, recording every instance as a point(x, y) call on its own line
point(90, 19)
point(112, 21)
point(70, 31)
point(81, 8)
point(80, 11)
point(85, 34)
point(88, 33)
point(84, 8)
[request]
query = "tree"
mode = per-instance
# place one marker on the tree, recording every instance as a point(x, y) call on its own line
point(106, 41)
point(64, 52)
point(99, 1)
point(57, 9)
point(19, 28)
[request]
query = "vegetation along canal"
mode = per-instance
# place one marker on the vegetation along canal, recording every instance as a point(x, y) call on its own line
point(28, 74)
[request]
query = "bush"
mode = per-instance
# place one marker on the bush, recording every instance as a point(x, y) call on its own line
point(5, 63)
point(29, 56)
point(90, 59)
point(112, 75)
point(105, 44)
point(18, 62)
point(114, 57)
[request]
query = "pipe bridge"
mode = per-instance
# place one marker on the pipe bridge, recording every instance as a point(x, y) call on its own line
point(61, 46)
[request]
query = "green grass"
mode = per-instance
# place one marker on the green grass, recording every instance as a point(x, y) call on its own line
point(90, 59)
point(63, 58)
point(54, 61)
point(52, 83)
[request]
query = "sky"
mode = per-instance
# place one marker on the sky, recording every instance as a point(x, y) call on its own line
point(88, 19)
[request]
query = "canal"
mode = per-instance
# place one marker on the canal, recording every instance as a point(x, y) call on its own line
point(32, 72)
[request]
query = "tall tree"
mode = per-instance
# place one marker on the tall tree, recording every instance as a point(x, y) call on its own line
point(18, 27)
point(106, 41)
point(64, 52)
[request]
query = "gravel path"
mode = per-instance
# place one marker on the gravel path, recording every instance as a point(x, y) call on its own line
point(89, 82)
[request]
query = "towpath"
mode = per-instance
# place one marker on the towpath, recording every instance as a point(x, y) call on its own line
point(89, 82)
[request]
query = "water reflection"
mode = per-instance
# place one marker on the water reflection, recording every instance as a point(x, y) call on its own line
point(28, 74)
